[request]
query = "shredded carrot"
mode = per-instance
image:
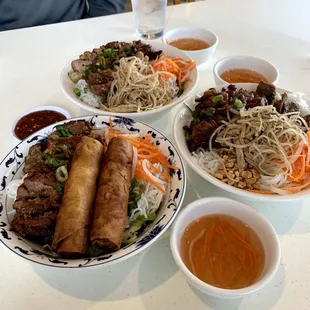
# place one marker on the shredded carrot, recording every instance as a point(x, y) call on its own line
point(173, 66)
point(296, 189)
point(261, 191)
point(299, 179)
point(141, 175)
point(302, 163)
point(147, 150)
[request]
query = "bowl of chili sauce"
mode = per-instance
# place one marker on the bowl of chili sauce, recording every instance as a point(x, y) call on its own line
point(36, 119)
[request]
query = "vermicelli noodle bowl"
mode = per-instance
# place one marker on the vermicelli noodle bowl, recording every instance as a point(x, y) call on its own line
point(253, 140)
point(121, 77)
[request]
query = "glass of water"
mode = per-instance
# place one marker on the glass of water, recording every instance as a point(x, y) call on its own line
point(150, 17)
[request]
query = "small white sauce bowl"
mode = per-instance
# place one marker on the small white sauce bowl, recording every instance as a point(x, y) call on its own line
point(218, 205)
point(200, 56)
point(41, 108)
point(268, 70)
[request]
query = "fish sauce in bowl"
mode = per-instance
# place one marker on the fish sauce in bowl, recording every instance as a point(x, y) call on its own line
point(242, 76)
point(223, 251)
point(190, 44)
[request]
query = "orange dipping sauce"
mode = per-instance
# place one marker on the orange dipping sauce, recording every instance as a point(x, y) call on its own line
point(189, 44)
point(223, 251)
point(242, 76)
point(35, 121)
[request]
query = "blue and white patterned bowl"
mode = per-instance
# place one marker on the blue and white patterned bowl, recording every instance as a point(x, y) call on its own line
point(11, 168)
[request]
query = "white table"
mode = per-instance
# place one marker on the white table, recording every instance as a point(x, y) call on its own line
point(30, 64)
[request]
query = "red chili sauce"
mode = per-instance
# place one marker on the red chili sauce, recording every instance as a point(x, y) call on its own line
point(35, 121)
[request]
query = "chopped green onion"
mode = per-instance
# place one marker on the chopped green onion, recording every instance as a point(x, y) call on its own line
point(86, 71)
point(217, 98)
point(127, 49)
point(77, 92)
point(140, 55)
point(109, 53)
point(53, 162)
point(59, 189)
point(62, 131)
point(187, 135)
point(238, 103)
point(208, 112)
point(60, 156)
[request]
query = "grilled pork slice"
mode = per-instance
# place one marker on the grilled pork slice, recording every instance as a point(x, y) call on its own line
point(36, 205)
point(78, 128)
point(38, 185)
point(34, 161)
point(38, 226)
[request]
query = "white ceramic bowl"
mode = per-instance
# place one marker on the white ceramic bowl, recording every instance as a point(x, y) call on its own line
point(218, 205)
point(268, 70)
point(184, 117)
point(67, 87)
point(11, 168)
point(40, 108)
point(199, 56)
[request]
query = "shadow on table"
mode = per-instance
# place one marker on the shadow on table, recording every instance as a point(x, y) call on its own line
point(266, 298)
point(117, 282)
point(156, 266)
point(92, 283)
point(282, 215)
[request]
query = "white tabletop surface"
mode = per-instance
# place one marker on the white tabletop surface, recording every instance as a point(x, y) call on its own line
point(30, 64)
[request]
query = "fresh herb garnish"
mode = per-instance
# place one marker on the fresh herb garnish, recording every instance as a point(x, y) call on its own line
point(150, 218)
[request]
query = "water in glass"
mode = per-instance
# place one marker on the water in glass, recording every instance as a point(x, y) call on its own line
point(150, 16)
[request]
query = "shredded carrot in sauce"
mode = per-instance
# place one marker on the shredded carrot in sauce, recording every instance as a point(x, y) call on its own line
point(228, 255)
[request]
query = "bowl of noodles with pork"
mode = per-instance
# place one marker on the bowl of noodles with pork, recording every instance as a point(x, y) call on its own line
point(252, 140)
point(129, 79)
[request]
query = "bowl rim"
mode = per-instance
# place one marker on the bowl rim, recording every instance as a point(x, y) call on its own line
point(84, 106)
point(237, 56)
point(165, 41)
point(133, 252)
point(218, 183)
point(213, 290)
point(36, 109)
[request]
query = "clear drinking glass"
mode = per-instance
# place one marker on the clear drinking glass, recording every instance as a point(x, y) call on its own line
point(150, 17)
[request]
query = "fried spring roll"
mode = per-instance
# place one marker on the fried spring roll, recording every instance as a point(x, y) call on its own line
point(74, 218)
point(112, 197)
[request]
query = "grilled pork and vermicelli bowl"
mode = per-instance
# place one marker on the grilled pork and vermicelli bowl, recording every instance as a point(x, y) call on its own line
point(250, 139)
point(129, 79)
point(89, 191)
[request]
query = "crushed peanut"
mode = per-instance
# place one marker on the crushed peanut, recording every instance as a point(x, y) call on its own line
point(245, 179)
